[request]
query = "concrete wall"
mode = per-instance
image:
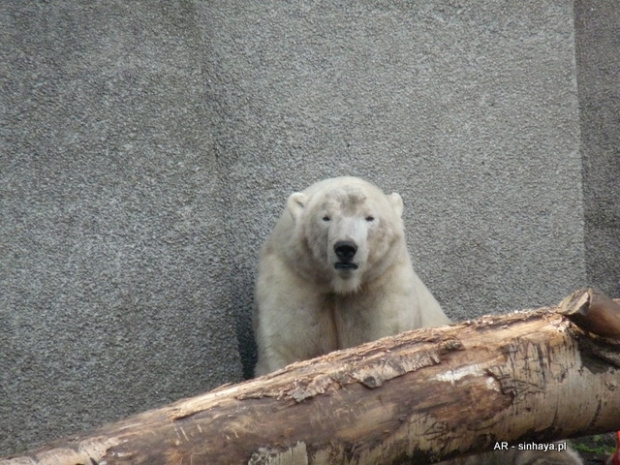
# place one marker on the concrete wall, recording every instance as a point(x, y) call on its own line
point(598, 70)
point(148, 147)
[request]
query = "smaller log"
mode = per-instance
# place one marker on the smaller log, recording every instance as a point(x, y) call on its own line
point(593, 312)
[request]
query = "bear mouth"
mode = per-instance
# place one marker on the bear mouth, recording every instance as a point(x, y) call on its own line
point(345, 266)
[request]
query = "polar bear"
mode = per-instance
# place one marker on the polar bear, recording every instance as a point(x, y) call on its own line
point(336, 273)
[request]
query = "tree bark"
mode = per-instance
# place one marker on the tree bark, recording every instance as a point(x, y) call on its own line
point(420, 396)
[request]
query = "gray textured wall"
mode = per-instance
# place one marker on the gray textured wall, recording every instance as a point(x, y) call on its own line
point(598, 70)
point(148, 147)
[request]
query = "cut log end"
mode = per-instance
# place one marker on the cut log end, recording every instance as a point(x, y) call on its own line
point(593, 312)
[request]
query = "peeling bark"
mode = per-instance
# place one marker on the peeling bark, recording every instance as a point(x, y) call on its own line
point(424, 395)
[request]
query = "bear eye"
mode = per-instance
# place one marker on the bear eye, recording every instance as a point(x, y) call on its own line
point(326, 218)
point(370, 218)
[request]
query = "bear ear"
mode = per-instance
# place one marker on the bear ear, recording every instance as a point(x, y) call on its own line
point(397, 203)
point(296, 203)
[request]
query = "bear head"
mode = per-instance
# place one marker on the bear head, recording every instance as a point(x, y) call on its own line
point(347, 230)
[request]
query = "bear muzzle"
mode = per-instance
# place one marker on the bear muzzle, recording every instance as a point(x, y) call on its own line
point(345, 251)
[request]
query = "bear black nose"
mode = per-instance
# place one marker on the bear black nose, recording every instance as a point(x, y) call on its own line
point(345, 250)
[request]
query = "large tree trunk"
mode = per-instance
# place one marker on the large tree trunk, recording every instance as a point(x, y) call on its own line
point(427, 394)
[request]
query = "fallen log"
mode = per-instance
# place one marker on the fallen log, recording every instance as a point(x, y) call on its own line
point(420, 396)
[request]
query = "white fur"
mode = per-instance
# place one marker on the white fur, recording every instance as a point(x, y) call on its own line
point(305, 306)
